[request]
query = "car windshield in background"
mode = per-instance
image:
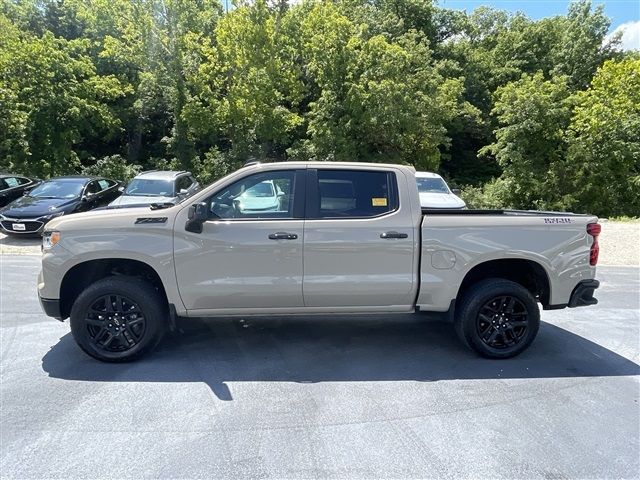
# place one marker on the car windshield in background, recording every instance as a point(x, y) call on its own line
point(58, 189)
point(141, 187)
point(262, 189)
point(432, 185)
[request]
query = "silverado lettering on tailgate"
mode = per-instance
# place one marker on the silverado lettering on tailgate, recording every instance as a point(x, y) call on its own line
point(558, 220)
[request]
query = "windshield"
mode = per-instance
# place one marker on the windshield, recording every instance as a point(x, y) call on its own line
point(262, 189)
point(57, 189)
point(432, 185)
point(141, 187)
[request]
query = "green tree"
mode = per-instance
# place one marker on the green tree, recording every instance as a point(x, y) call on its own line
point(149, 45)
point(533, 114)
point(494, 48)
point(245, 90)
point(180, 84)
point(379, 99)
point(604, 142)
point(582, 44)
point(53, 99)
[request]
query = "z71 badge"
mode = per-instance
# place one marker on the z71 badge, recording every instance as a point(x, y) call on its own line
point(558, 220)
point(146, 220)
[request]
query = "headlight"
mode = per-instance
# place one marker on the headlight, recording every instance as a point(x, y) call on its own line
point(51, 216)
point(49, 239)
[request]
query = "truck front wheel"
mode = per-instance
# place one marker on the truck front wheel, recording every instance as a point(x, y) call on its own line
point(497, 318)
point(118, 319)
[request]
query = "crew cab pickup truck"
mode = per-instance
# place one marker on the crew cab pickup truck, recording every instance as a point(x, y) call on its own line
point(342, 237)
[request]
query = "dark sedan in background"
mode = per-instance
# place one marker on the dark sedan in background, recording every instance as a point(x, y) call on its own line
point(14, 186)
point(53, 198)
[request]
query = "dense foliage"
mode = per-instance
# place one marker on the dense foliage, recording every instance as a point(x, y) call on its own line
point(527, 114)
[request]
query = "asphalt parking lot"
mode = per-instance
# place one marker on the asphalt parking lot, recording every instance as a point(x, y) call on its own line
point(340, 397)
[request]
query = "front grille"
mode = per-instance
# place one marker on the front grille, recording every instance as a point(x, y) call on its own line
point(30, 226)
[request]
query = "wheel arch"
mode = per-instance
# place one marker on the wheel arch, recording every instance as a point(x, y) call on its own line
point(528, 273)
point(85, 273)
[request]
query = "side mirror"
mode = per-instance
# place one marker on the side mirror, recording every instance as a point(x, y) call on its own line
point(456, 191)
point(197, 215)
point(183, 191)
point(121, 188)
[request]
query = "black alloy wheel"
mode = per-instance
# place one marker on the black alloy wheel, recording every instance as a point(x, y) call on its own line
point(115, 323)
point(497, 318)
point(502, 322)
point(119, 318)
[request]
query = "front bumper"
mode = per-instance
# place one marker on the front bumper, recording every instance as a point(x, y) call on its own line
point(51, 307)
point(582, 295)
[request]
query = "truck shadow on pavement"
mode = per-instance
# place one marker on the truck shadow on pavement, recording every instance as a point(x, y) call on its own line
point(336, 349)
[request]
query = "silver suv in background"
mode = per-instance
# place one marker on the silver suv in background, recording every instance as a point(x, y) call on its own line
point(157, 186)
point(435, 193)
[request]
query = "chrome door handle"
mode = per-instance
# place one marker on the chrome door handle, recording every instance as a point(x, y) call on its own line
point(393, 235)
point(283, 236)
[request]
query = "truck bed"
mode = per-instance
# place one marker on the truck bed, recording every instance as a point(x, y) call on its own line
point(444, 211)
point(455, 241)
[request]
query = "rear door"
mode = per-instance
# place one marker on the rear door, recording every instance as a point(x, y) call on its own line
point(108, 191)
point(89, 197)
point(359, 240)
point(12, 188)
point(5, 193)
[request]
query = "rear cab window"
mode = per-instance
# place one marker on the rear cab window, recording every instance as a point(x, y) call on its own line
point(351, 193)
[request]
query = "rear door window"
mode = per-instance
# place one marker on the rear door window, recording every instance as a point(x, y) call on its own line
point(12, 182)
point(354, 193)
point(104, 184)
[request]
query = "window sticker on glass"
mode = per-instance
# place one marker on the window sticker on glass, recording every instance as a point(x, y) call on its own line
point(379, 202)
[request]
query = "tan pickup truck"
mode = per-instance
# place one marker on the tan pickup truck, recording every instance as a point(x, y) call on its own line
point(312, 238)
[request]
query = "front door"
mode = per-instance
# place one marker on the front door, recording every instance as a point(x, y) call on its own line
point(359, 247)
point(249, 254)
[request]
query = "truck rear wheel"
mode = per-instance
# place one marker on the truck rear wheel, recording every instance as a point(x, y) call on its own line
point(118, 319)
point(497, 318)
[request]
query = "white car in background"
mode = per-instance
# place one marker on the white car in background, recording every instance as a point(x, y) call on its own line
point(435, 193)
point(263, 196)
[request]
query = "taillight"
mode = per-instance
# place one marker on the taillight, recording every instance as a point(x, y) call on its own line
point(594, 229)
